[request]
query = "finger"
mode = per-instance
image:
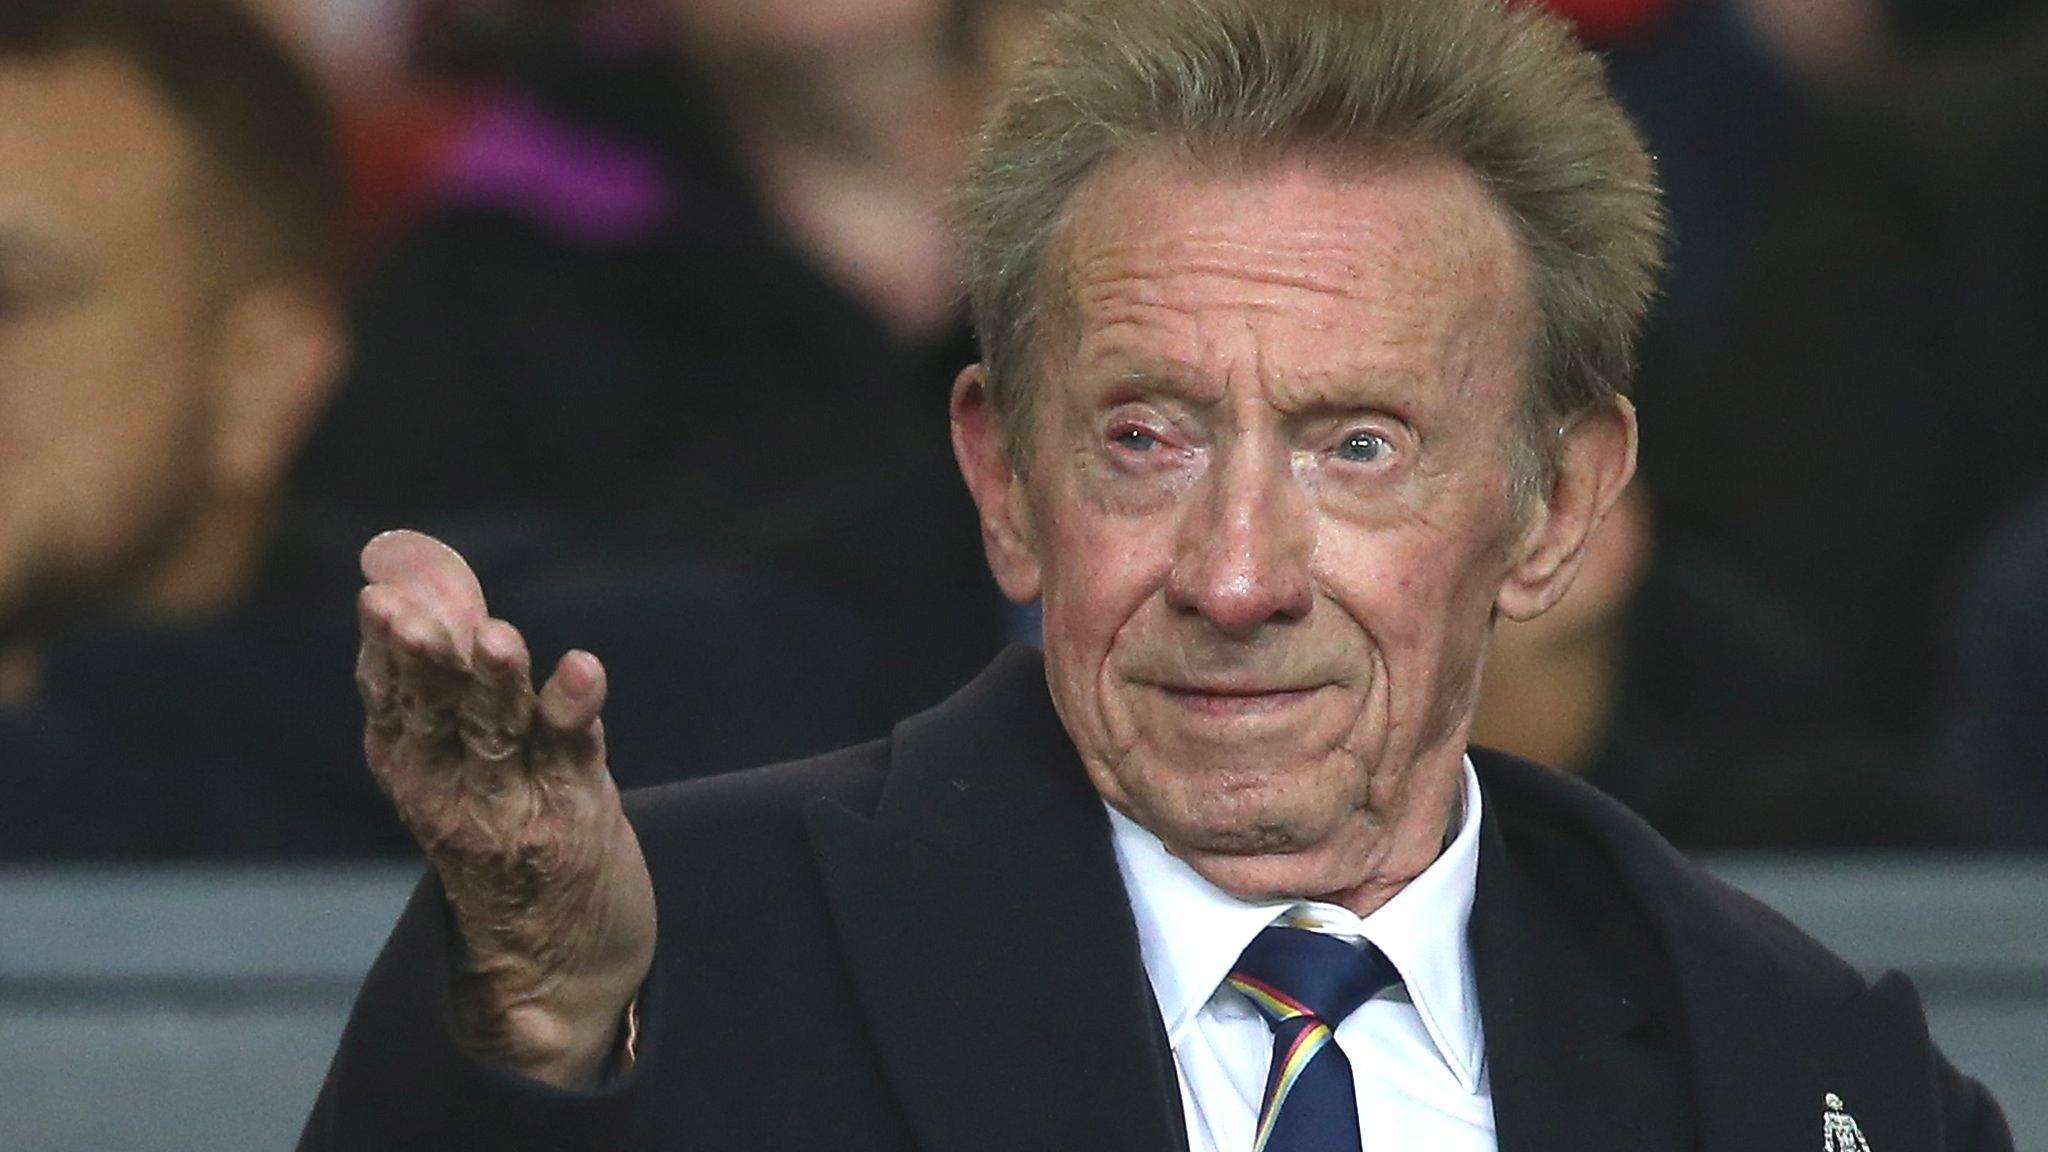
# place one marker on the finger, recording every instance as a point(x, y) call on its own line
point(430, 673)
point(433, 573)
point(496, 713)
point(376, 678)
point(387, 700)
point(568, 735)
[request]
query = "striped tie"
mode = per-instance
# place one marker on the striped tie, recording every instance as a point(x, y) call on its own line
point(1305, 983)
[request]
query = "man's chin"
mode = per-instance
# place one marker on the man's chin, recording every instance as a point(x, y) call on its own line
point(1259, 877)
point(1266, 838)
point(1255, 859)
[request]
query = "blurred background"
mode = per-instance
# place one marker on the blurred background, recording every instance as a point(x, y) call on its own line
point(646, 306)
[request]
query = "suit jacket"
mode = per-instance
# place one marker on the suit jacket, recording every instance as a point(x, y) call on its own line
point(924, 943)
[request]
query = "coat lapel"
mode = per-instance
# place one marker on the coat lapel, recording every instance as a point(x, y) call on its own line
point(1772, 1024)
point(1779, 1026)
point(1576, 1056)
point(989, 937)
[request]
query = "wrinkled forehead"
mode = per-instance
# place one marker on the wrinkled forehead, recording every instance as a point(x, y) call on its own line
point(1355, 261)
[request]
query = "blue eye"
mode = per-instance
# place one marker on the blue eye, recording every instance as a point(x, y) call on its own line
point(1135, 439)
point(1363, 448)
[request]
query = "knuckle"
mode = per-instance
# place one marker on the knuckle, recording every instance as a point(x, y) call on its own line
point(495, 730)
point(422, 722)
point(375, 691)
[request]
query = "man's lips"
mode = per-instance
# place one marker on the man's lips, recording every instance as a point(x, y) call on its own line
point(1237, 699)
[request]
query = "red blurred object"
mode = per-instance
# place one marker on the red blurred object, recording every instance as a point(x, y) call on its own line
point(1607, 22)
point(394, 147)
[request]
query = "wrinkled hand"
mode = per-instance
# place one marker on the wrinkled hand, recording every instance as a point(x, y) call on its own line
point(507, 792)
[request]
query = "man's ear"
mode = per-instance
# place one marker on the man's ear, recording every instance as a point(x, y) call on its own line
point(1006, 530)
point(281, 352)
point(1596, 459)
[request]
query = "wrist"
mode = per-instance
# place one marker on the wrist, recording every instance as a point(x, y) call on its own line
point(568, 1037)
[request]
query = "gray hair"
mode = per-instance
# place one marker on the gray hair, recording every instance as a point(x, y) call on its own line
point(1506, 90)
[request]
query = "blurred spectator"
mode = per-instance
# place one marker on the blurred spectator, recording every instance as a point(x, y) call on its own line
point(1712, 108)
point(1863, 404)
point(684, 300)
point(1838, 389)
point(1725, 91)
point(394, 125)
point(1681, 688)
point(168, 334)
point(356, 48)
point(176, 654)
point(1997, 737)
point(169, 328)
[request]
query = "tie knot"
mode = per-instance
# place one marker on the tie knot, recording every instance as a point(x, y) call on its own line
point(1290, 972)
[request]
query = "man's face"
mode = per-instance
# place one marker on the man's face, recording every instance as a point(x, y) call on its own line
point(104, 303)
point(1269, 503)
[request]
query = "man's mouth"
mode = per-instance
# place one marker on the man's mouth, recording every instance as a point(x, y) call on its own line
point(1237, 699)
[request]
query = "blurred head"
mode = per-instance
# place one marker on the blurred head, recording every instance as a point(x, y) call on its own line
point(1306, 324)
point(1000, 33)
point(782, 27)
point(167, 330)
point(846, 77)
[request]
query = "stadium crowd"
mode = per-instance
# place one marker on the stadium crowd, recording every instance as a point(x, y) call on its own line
point(647, 307)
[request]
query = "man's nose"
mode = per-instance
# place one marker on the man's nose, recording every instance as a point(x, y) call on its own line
point(1241, 560)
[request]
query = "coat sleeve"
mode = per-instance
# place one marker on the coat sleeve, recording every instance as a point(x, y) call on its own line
point(398, 1083)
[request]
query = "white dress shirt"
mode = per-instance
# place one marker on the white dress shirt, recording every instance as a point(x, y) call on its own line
point(1416, 1051)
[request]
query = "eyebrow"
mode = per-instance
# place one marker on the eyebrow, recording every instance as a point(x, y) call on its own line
point(1379, 388)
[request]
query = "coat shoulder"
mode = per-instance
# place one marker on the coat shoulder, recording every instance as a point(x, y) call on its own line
point(1592, 840)
point(1774, 1020)
point(762, 806)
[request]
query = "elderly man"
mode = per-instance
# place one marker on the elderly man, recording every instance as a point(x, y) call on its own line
point(1305, 323)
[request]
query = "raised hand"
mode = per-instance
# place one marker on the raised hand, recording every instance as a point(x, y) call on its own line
point(507, 792)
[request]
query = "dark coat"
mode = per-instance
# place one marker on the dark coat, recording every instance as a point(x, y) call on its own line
point(924, 943)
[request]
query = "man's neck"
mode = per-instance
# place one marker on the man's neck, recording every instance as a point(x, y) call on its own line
point(206, 565)
point(20, 676)
point(1413, 845)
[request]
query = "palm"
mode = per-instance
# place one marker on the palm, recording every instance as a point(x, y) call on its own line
point(507, 792)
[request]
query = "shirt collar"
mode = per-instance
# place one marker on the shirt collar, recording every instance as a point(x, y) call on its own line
point(1191, 932)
